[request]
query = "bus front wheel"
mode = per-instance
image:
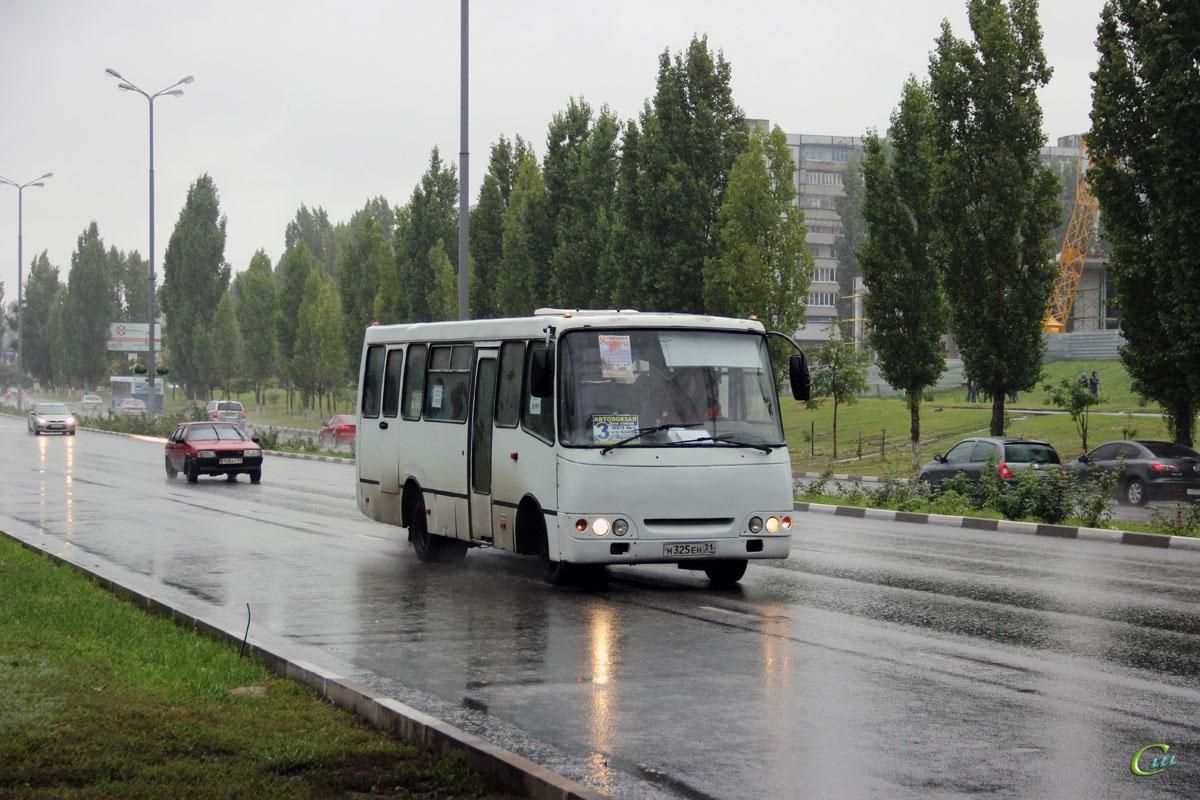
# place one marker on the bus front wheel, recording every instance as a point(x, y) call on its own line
point(556, 573)
point(724, 574)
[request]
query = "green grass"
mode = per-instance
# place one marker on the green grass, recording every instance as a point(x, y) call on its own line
point(948, 418)
point(101, 700)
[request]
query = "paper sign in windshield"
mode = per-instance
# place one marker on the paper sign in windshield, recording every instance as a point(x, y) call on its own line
point(612, 428)
point(616, 358)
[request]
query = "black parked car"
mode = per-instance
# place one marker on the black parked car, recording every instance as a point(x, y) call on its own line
point(1009, 457)
point(1152, 470)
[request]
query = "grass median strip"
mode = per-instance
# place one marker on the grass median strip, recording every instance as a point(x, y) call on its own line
point(100, 700)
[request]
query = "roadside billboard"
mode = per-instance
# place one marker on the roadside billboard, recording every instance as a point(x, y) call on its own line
point(130, 337)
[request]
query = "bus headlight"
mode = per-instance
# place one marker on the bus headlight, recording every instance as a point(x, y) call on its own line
point(600, 526)
point(772, 524)
point(756, 524)
point(620, 527)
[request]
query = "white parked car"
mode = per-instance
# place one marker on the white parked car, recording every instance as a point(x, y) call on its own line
point(90, 404)
point(227, 411)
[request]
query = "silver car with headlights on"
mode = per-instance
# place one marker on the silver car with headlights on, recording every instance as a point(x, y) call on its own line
point(51, 418)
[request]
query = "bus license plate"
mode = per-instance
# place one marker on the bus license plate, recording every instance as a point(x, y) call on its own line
point(231, 461)
point(691, 550)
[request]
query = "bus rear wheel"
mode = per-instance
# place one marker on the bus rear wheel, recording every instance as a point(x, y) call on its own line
point(724, 574)
point(429, 547)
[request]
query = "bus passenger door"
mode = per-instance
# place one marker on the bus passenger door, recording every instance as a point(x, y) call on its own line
point(483, 407)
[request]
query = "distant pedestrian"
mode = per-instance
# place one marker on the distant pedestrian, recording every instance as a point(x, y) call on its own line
point(1094, 384)
point(1083, 381)
point(972, 391)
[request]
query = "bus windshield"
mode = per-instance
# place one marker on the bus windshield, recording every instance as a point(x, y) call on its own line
point(690, 386)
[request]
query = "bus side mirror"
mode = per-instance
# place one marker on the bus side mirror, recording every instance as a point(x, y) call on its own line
point(798, 373)
point(541, 373)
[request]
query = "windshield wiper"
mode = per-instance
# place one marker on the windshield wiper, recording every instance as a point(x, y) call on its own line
point(725, 439)
point(643, 431)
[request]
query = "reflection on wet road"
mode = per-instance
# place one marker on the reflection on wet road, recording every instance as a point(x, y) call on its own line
point(881, 659)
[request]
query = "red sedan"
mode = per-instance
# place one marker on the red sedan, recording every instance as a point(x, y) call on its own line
point(213, 448)
point(338, 430)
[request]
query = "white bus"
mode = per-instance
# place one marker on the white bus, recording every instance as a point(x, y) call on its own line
point(580, 437)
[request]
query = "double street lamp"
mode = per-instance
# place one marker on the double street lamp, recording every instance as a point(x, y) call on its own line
point(21, 187)
point(172, 91)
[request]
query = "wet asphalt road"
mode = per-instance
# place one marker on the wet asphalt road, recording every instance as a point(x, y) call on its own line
point(880, 660)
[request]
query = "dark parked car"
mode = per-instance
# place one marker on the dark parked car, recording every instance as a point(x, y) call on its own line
point(51, 418)
point(213, 448)
point(1009, 457)
point(1152, 470)
point(337, 431)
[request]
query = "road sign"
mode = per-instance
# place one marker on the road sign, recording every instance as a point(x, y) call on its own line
point(130, 337)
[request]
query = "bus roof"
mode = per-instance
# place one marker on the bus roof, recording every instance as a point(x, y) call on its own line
point(562, 320)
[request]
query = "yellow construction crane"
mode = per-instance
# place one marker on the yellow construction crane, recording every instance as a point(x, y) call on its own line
point(1077, 242)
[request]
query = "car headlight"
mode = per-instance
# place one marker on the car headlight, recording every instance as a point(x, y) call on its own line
point(207, 454)
point(70, 422)
point(40, 420)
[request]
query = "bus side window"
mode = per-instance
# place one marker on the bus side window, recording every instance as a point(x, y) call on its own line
point(391, 383)
point(412, 397)
point(508, 398)
point(372, 381)
point(537, 413)
point(448, 378)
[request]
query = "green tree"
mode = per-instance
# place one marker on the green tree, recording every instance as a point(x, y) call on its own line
point(91, 307)
point(839, 372)
point(487, 222)
point(995, 201)
point(444, 300)
point(849, 207)
point(432, 215)
point(195, 276)
point(763, 266)
point(1077, 400)
point(675, 166)
point(133, 273)
point(314, 229)
point(526, 243)
point(257, 306)
point(41, 288)
point(905, 301)
point(390, 304)
point(1144, 173)
point(365, 260)
point(320, 359)
point(293, 272)
point(64, 357)
point(226, 343)
point(580, 172)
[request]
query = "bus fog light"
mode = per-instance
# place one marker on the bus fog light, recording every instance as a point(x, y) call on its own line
point(787, 523)
point(772, 524)
point(581, 525)
point(755, 524)
point(600, 527)
point(620, 527)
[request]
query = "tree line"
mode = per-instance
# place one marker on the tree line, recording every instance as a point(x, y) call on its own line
point(683, 208)
point(959, 211)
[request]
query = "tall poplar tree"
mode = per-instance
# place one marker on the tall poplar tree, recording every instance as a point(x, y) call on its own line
point(995, 201)
point(1144, 173)
point(363, 263)
point(432, 215)
point(763, 266)
point(41, 288)
point(91, 307)
point(257, 305)
point(226, 343)
point(676, 164)
point(487, 223)
point(195, 276)
point(293, 272)
point(905, 301)
point(849, 206)
point(526, 244)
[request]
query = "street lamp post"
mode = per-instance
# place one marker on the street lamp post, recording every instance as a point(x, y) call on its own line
point(171, 91)
point(21, 187)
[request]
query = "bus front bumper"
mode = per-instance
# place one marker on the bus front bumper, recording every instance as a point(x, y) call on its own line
point(616, 550)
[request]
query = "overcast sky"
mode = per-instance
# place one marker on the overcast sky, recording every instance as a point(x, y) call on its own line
point(329, 104)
